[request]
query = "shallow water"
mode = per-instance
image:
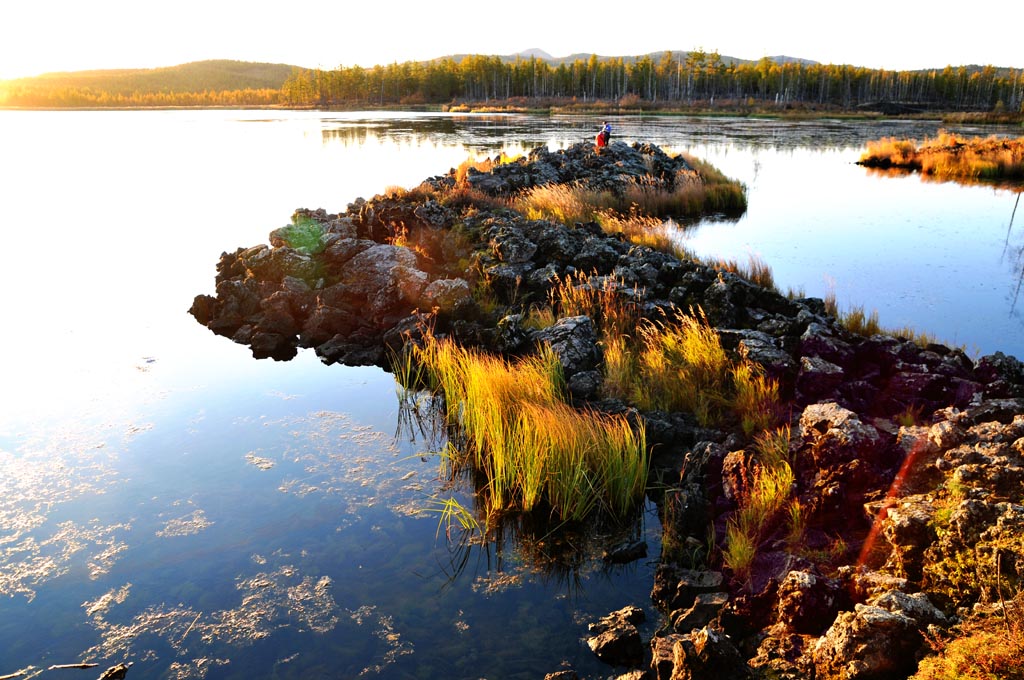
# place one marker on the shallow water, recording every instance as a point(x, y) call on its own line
point(167, 500)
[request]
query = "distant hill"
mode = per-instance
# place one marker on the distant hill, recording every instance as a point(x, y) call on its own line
point(198, 76)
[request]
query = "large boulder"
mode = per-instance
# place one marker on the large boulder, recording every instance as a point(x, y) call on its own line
point(871, 642)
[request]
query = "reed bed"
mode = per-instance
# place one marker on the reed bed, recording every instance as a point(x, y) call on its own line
point(950, 156)
point(607, 301)
point(680, 365)
point(513, 426)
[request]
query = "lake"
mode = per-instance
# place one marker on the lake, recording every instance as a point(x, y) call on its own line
point(170, 501)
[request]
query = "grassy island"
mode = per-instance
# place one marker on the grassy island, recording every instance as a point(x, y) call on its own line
point(950, 157)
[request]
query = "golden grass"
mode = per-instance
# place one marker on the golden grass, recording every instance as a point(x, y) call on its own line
point(644, 230)
point(866, 324)
point(691, 193)
point(950, 156)
point(680, 365)
point(564, 203)
point(756, 271)
point(481, 165)
point(857, 321)
point(797, 525)
point(603, 299)
point(740, 550)
point(772, 446)
point(986, 646)
point(539, 317)
point(766, 501)
point(511, 424)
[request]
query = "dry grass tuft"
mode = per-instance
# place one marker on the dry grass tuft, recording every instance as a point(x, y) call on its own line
point(987, 645)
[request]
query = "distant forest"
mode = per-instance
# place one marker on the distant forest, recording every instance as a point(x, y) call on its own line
point(684, 79)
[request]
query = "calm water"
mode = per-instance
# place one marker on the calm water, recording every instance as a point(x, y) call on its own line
point(166, 499)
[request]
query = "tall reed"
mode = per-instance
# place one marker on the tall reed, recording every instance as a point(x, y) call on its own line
point(680, 365)
point(513, 426)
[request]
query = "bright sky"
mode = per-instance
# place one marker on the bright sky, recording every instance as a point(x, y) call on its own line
point(38, 36)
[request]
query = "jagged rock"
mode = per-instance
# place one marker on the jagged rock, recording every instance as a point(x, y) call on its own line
point(707, 654)
point(760, 347)
point(676, 587)
point(356, 293)
point(807, 603)
point(574, 340)
point(869, 643)
point(916, 606)
point(1003, 375)
point(626, 552)
point(585, 385)
point(818, 377)
point(822, 342)
point(562, 675)
point(705, 609)
point(615, 638)
point(861, 584)
point(444, 294)
point(737, 475)
point(118, 672)
point(838, 458)
point(833, 434)
point(635, 674)
point(663, 655)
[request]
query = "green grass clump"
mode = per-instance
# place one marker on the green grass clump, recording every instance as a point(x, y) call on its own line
point(512, 425)
point(303, 234)
point(766, 502)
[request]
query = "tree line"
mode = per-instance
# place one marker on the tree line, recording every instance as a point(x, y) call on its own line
point(686, 79)
point(690, 78)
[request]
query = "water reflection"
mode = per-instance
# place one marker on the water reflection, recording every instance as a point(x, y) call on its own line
point(497, 550)
point(165, 499)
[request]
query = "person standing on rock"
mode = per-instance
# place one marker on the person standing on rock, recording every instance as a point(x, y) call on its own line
point(605, 135)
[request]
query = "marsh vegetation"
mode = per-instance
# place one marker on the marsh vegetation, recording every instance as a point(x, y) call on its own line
point(949, 156)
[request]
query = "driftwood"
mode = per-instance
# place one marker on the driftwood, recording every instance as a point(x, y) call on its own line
point(64, 666)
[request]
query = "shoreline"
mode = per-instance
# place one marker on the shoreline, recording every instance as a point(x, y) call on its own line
point(510, 107)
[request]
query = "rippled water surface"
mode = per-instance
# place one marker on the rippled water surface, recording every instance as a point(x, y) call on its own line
point(167, 500)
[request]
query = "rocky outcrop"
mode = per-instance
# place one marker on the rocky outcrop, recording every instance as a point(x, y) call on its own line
point(907, 461)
